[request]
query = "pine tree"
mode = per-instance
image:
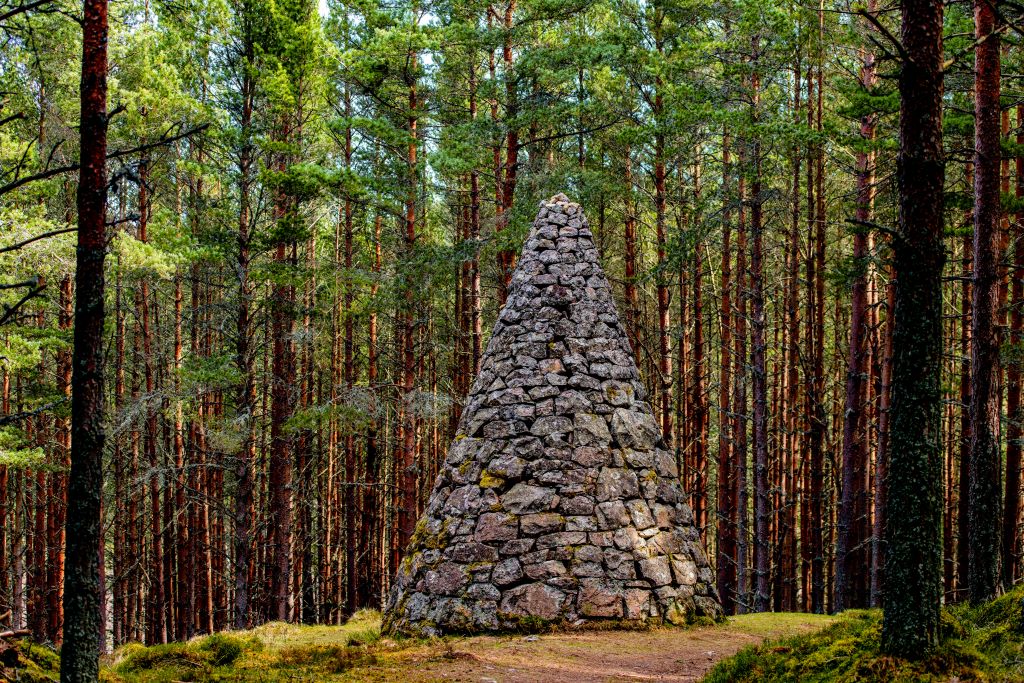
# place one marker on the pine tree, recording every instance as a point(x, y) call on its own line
point(913, 568)
point(82, 603)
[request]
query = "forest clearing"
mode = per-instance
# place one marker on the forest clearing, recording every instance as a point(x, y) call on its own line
point(357, 652)
point(407, 322)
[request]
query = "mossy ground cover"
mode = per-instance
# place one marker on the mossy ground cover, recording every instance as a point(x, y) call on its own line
point(273, 652)
point(356, 651)
point(34, 664)
point(984, 643)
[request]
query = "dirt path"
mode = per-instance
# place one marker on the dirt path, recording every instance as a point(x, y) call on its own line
point(667, 654)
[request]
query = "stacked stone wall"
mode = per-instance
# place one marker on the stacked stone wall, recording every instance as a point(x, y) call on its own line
point(558, 501)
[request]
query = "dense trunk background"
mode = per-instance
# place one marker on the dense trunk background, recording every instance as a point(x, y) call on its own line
point(311, 219)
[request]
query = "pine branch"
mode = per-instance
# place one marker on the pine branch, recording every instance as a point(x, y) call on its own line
point(880, 27)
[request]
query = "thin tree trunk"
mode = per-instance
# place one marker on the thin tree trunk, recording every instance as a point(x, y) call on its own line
point(983, 544)
point(407, 461)
point(281, 442)
point(758, 362)
point(882, 456)
point(246, 389)
point(1011, 499)
point(351, 475)
point(630, 262)
point(157, 626)
point(6, 594)
point(371, 549)
point(850, 541)
point(475, 302)
point(660, 209)
point(739, 430)
point(964, 469)
point(510, 170)
point(698, 396)
point(59, 493)
point(791, 354)
point(726, 528)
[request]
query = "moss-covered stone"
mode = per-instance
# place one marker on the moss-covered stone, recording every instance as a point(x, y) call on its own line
point(489, 480)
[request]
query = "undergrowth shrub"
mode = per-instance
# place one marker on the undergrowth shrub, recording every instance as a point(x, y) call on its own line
point(221, 649)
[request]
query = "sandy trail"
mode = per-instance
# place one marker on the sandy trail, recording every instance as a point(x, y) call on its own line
point(664, 654)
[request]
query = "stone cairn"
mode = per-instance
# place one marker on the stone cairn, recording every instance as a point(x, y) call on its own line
point(558, 501)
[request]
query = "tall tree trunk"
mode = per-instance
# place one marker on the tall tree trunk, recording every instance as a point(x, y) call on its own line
point(984, 481)
point(371, 547)
point(281, 441)
point(882, 455)
point(157, 624)
point(739, 429)
point(351, 474)
point(510, 170)
point(964, 445)
point(82, 590)
point(475, 302)
point(406, 464)
point(813, 409)
point(660, 210)
point(726, 529)
point(59, 494)
point(698, 441)
point(633, 323)
point(758, 362)
point(850, 541)
point(1011, 499)
point(246, 389)
point(792, 426)
point(185, 585)
point(6, 596)
point(913, 569)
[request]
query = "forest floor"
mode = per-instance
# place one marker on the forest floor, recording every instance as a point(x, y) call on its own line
point(659, 654)
point(356, 652)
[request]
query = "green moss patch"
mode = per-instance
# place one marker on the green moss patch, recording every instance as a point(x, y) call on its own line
point(30, 662)
point(983, 643)
point(272, 652)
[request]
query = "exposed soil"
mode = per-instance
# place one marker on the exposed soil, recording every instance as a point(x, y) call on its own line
point(663, 654)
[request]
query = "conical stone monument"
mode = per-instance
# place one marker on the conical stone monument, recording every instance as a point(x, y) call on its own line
point(558, 501)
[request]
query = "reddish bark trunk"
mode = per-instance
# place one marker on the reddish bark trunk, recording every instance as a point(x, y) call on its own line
point(82, 589)
point(246, 389)
point(660, 210)
point(882, 456)
point(629, 238)
point(1011, 499)
point(984, 477)
point(759, 370)
point(351, 462)
point(509, 176)
point(406, 462)
point(851, 531)
point(726, 527)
